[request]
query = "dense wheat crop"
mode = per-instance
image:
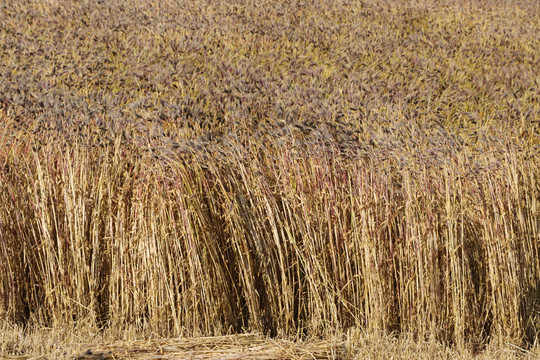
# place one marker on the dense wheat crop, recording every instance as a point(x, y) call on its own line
point(294, 168)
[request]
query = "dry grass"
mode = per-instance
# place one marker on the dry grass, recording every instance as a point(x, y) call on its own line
point(291, 169)
point(62, 344)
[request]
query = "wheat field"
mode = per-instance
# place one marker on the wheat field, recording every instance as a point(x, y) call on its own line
point(350, 170)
